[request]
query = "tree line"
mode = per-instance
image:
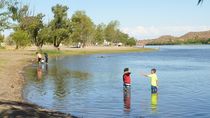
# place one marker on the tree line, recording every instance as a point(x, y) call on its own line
point(30, 29)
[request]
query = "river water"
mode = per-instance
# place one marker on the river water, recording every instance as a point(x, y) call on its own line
point(91, 85)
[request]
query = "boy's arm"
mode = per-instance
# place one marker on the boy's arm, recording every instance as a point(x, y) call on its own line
point(146, 75)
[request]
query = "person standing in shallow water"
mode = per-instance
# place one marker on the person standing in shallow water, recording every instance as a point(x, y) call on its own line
point(39, 57)
point(154, 80)
point(126, 89)
point(46, 57)
point(126, 79)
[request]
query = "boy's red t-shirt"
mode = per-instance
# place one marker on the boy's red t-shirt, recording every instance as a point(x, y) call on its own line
point(127, 78)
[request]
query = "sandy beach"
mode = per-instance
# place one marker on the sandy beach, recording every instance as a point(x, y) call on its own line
point(12, 63)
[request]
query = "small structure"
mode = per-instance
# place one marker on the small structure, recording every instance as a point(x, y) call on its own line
point(119, 44)
point(106, 43)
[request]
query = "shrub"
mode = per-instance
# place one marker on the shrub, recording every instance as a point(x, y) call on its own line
point(130, 42)
point(21, 38)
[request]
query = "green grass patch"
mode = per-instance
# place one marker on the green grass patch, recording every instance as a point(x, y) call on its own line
point(91, 51)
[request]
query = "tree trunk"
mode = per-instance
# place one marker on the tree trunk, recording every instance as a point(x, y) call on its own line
point(16, 47)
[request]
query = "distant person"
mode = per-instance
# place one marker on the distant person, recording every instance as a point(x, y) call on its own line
point(126, 79)
point(154, 80)
point(46, 57)
point(39, 57)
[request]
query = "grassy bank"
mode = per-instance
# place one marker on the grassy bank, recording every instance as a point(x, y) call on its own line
point(86, 51)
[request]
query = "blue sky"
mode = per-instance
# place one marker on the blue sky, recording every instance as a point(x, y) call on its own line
point(139, 18)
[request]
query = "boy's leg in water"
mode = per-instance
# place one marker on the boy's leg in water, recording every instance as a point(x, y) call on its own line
point(156, 90)
point(126, 88)
point(153, 89)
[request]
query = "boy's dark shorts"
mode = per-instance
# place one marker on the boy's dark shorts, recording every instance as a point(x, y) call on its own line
point(39, 59)
point(154, 89)
point(126, 86)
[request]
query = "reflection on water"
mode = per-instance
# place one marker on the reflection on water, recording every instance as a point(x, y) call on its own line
point(154, 101)
point(127, 99)
point(40, 69)
point(39, 72)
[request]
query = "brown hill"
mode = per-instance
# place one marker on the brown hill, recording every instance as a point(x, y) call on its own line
point(188, 38)
point(196, 35)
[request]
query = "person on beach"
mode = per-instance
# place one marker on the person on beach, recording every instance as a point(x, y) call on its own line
point(46, 57)
point(126, 79)
point(153, 79)
point(39, 57)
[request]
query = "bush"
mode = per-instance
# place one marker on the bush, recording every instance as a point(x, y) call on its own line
point(130, 42)
point(8, 41)
point(1, 38)
point(21, 38)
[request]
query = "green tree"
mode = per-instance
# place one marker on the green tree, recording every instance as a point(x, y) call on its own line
point(111, 31)
point(3, 16)
point(5, 13)
point(33, 24)
point(44, 36)
point(130, 42)
point(59, 25)
point(21, 38)
point(122, 37)
point(19, 12)
point(82, 28)
point(99, 35)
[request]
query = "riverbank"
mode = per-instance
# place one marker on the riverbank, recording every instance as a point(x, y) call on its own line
point(94, 50)
point(12, 63)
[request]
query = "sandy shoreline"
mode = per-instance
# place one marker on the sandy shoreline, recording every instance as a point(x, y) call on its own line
point(12, 63)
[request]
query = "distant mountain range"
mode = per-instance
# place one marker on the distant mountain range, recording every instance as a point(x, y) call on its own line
point(188, 38)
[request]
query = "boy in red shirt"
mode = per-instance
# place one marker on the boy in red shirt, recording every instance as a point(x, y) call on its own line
point(126, 79)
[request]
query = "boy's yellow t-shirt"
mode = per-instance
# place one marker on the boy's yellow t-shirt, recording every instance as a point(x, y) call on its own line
point(153, 78)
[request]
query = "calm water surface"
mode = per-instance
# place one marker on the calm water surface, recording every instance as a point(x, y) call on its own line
point(91, 85)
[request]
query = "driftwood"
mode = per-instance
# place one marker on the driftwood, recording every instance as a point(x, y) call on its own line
point(13, 109)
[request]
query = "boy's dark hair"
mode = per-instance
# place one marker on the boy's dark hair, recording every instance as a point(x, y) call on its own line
point(154, 70)
point(126, 69)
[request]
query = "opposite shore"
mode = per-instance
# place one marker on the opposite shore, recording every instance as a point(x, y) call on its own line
point(12, 63)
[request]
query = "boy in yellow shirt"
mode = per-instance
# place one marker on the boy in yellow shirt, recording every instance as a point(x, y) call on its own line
point(154, 80)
